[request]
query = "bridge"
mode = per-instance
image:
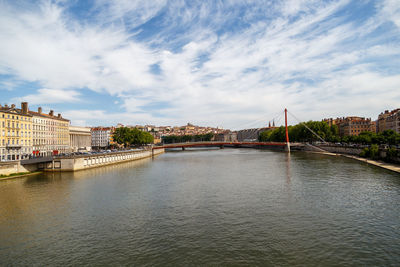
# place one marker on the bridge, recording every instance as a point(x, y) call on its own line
point(283, 145)
point(221, 144)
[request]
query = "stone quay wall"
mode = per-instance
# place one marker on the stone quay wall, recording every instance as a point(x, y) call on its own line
point(342, 149)
point(97, 160)
point(11, 167)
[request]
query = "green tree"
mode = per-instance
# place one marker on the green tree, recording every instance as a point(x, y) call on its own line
point(127, 137)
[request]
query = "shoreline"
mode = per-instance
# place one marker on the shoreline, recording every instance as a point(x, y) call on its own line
point(96, 165)
point(378, 163)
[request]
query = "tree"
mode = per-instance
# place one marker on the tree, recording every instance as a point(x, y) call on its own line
point(127, 137)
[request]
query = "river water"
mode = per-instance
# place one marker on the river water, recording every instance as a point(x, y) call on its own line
point(236, 207)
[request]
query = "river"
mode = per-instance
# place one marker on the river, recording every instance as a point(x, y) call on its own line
point(241, 207)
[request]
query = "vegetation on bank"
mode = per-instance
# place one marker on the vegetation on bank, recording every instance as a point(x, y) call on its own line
point(300, 133)
point(372, 152)
point(13, 174)
point(187, 138)
point(131, 136)
point(388, 137)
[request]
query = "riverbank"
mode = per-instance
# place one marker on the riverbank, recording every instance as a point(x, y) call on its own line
point(385, 165)
point(10, 170)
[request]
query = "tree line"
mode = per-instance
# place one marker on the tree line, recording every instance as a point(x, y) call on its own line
point(300, 133)
point(131, 136)
point(187, 138)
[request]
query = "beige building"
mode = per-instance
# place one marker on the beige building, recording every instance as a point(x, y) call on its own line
point(80, 138)
point(389, 121)
point(355, 126)
point(15, 132)
point(50, 133)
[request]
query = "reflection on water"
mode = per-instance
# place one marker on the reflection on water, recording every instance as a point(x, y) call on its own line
point(209, 207)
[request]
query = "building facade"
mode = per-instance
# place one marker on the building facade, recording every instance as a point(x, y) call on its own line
point(80, 138)
point(247, 135)
point(50, 133)
point(389, 120)
point(355, 126)
point(101, 137)
point(15, 132)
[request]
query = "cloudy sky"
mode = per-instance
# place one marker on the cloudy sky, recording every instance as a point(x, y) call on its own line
point(228, 63)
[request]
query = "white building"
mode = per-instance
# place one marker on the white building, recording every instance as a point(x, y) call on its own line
point(101, 137)
point(80, 138)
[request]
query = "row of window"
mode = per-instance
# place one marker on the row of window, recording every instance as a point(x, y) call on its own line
point(50, 122)
point(13, 117)
point(17, 133)
point(16, 142)
point(16, 125)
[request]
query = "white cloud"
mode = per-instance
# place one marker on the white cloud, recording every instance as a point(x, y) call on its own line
point(298, 54)
point(51, 96)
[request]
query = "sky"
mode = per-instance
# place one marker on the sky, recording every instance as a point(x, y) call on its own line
point(228, 63)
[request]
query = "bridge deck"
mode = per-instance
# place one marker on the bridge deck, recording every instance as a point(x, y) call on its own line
point(217, 144)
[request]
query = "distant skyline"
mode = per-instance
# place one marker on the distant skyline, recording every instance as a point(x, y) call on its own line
point(216, 63)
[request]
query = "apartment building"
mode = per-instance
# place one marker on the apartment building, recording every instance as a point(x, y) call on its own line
point(50, 133)
point(102, 137)
point(389, 120)
point(15, 132)
point(355, 126)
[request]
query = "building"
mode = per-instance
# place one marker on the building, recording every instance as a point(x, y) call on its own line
point(331, 121)
point(15, 132)
point(389, 121)
point(50, 133)
point(101, 137)
point(80, 138)
point(251, 134)
point(226, 136)
point(355, 125)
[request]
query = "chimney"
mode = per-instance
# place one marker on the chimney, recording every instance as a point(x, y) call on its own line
point(12, 105)
point(51, 113)
point(24, 108)
point(39, 110)
point(59, 116)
